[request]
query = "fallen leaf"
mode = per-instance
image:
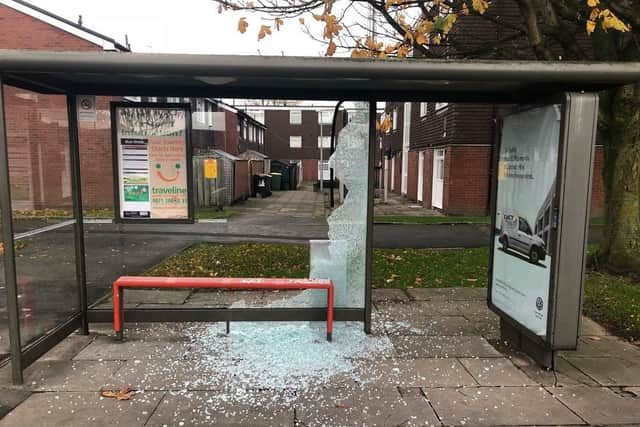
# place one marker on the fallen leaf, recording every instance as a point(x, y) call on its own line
point(125, 393)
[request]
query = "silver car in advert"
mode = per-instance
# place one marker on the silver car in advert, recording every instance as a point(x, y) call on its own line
point(516, 235)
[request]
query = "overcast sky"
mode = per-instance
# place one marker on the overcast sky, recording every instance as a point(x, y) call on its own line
point(185, 26)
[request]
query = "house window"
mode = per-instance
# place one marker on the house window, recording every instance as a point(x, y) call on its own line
point(246, 131)
point(210, 115)
point(152, 99)
point(173, 100)
point(423, 109)
point(295, 117)
point(295, 142)
point(200, 110)
point(259, 116)
point(394, 120)
point(261, 137)
point(325, 117)
point(324, 142)
point(439, 156)
point(444, 127)
point(441, 106)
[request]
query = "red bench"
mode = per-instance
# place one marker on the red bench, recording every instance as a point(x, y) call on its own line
point(214, 283)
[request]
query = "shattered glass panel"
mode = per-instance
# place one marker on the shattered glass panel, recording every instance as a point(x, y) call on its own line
point(342, 257)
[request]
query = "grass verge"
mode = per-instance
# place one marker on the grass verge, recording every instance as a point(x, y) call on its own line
point(106, 213)
point(611, 300)
point(407, 219)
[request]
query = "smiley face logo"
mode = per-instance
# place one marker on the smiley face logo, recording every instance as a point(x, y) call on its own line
point(165, 178)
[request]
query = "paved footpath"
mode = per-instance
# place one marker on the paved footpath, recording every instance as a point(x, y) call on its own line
point(433, 359)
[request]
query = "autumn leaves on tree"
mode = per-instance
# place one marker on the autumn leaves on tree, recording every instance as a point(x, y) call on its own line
point(399, 27)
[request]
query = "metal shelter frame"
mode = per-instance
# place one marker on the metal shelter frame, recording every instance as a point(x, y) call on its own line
point(121, 74)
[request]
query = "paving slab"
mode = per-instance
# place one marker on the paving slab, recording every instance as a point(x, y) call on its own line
point(434, 326)
point(565, 375)
point(82, 409)
point(108, 348)
point(480, 406)
point(363, 407)
point(169, 375)
point(448, 294)
point(489, 329)
point(418, 309)
point(415, 346)
point(589, 327)
point(604, 346)
point(389, 295)
point(258, 408)
point(476, 310)
point(496, 372)
point(609, 371)
point(599, 405)
point(408, 373)
point(65, 375)
point(68, 348)
point(10, 398)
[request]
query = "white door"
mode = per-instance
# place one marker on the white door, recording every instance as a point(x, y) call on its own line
point(438, 179)
point(406, 128)
point(393, 173)
point(323, 170)
point(420, 174)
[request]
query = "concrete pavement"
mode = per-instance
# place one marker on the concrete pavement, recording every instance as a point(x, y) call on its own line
point(434, 359)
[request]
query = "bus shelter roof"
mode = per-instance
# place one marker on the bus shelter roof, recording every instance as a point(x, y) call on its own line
point(267, 77)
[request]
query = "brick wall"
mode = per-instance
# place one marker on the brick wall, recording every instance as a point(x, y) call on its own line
point(21, 31)
point(412, 178)
point(467, 185)
point(37, 129)
point(96, 169)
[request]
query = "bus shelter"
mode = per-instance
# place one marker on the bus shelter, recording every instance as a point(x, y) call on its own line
point(547, 142)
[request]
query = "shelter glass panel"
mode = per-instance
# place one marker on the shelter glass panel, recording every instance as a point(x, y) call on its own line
point(41, 199)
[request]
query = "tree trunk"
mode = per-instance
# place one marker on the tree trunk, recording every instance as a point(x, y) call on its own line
point(620, 250)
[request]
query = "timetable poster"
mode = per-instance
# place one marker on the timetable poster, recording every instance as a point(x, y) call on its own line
point(152, 163)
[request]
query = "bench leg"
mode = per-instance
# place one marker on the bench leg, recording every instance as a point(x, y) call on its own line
point(118, 312)
point(329, 313)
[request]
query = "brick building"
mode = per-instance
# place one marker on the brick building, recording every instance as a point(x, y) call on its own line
point(217, 125)
point(440, 154)
point(37, 128)
point(298, 133)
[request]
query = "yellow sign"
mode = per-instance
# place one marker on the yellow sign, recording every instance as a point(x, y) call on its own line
point(210, 168)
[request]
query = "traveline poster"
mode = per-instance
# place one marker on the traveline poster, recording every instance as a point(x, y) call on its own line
point(525, 216)
point(152, 163)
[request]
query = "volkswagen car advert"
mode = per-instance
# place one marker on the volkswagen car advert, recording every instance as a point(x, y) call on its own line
point(527, 170)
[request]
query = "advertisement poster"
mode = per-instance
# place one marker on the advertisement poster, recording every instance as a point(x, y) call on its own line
point(525, 217)
point(152, 163)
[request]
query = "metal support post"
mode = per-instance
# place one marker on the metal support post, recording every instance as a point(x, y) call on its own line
point(370, 194)
point(78, 229)
point(10, 280)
